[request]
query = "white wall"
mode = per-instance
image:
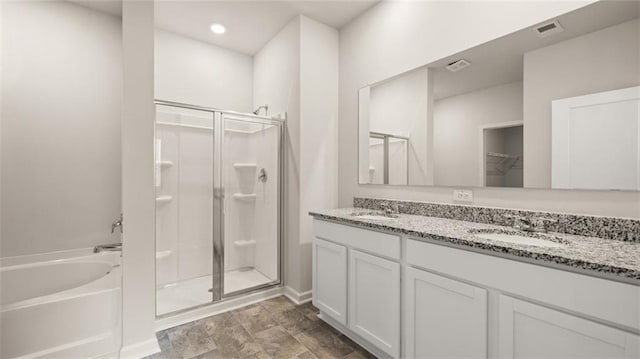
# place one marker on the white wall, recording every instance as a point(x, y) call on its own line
point(61, 96)
point(399, 107)
point(319, 45)
point(604, 60)
point(276, 82)
point(194, 72)
point(138, 189)
point(457, 122)
point(297, 72)
point(394, 37)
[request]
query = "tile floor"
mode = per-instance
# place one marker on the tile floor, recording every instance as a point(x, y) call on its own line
point(274, 328)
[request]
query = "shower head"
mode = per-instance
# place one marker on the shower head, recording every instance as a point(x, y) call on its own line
point(265, 107)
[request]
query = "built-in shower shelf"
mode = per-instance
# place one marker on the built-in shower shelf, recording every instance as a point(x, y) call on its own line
point(164, 199)
point(164, 164)
point(241, 166)
point(245, 197)
point(244, 243)
point(162, 254)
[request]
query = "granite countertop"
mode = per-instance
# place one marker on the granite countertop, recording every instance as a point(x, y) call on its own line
point(607, 258)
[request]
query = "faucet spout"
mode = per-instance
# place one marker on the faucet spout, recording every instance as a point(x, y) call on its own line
point(113, 247)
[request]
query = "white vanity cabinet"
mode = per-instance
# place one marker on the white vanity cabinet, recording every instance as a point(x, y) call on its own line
point(330, 279)
point(374, 300)
point(444, 318)
point(527, 330)
point(369, 305)
point(457, 303)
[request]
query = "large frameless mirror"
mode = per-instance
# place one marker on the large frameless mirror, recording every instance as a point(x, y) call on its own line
point(553, 106)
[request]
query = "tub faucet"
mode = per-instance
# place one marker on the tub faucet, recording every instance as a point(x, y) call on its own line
point(113, 247)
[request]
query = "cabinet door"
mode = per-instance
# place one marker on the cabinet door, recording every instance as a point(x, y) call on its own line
point(374, 300)
point(330, 279)
point(444, 318)
point(531, 331)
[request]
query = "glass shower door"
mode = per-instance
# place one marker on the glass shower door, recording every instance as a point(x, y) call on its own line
point(250, 157)
point(218, 205)
point(184, 207)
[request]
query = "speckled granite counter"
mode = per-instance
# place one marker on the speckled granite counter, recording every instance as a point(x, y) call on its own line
point(607, 258)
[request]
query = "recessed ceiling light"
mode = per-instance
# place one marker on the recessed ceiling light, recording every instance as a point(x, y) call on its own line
point(218, 29)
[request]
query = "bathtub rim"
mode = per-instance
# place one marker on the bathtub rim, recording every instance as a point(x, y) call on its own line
point(109, 282)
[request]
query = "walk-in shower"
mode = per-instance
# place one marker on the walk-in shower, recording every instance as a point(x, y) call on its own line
point(218, 204)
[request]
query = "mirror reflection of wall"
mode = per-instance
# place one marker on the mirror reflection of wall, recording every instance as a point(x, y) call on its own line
point(397, 110)
point(503, 97)
point(457, 123)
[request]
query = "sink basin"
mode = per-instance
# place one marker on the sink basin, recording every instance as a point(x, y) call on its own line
point(518, 239)
point(375, 217)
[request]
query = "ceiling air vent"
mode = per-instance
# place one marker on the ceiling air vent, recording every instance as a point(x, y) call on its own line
point(458, 65)
point(549, 28)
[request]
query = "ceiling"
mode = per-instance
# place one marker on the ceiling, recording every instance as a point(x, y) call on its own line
point(250, 24)
point(113, 7)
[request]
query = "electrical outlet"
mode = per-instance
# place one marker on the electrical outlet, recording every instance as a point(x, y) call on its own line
point(463, 195)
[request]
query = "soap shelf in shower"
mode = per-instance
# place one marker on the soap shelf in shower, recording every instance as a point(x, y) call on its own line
point(245, 197)
point(164, 199)
point(162, 254)
point(164, 164)
point(244, 243)
point(240, 166)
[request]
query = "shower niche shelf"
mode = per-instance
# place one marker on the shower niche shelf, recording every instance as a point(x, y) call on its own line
point(245, 197)
point(162, 254)
point(164, 199)
point(243, 166)
point(164, 164)
point(244, 243)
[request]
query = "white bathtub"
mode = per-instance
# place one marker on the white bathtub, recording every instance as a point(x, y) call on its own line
point(60, 305)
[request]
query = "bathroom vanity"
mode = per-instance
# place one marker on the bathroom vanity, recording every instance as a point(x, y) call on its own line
point(424, 286)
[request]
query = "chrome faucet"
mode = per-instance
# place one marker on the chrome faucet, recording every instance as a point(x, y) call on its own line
point(113, 247)
point(117, 224)
point(262, 176)
point(390, 209)
point(537, 224)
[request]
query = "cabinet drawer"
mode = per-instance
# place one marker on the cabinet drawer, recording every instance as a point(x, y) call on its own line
point(387, 245)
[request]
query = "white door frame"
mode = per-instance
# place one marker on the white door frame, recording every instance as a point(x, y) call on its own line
point(482, 151)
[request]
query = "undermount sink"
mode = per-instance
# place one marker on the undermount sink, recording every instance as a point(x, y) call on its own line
point(518, 239)
point(375, 217)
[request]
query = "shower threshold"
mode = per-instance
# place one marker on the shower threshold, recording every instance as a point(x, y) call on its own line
point(195, 292)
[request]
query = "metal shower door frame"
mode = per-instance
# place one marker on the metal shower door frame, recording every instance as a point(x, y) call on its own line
point(218, 234)
point(219, 258)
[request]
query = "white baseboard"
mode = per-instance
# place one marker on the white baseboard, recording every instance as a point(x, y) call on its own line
point(295, 296)
point(140, 349)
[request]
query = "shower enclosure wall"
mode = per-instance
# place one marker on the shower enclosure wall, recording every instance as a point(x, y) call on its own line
point(218, 205)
